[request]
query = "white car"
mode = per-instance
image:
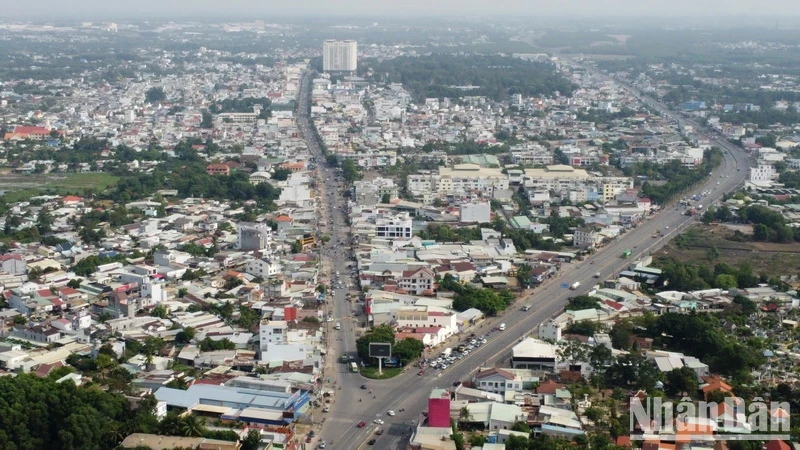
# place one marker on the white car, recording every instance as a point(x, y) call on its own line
point(390, 413)
point(378, 421)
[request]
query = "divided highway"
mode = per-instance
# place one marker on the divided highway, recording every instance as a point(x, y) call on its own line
point(409, 392)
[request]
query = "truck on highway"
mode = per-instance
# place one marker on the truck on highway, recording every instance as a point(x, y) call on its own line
point(575, 285)
point(626, 253)
point(597, 274)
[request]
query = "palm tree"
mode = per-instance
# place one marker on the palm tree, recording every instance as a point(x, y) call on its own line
point(171, 424)
point(191, 426)
point(115, 432)
point(464, 415)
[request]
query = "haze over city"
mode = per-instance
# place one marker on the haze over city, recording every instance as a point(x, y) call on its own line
point(174, 9)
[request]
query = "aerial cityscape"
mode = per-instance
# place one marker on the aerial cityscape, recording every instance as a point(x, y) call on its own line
point(467, 230)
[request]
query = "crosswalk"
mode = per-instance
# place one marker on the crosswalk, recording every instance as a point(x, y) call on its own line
point(342, 420)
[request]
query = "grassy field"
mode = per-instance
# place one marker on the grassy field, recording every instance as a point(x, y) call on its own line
point(21, 187)
point(763, 257)
point(372, 372)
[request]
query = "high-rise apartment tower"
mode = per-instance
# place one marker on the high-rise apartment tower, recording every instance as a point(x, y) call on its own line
point(339, 56)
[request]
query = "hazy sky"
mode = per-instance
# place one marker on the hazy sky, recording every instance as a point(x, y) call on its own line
point(265, 8)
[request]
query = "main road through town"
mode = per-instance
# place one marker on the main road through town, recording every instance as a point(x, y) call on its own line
point(409, 391)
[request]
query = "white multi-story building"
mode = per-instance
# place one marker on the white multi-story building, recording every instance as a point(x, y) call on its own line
point(417, 281)
point(557, 177)
point(272, 332)
point(420, 317)
point(541, 156)
point(338, 56)
point(762, 173)
point(499, 380)
point(263, 268)
point(254, 236)
point(394, 228)
point(585, 238)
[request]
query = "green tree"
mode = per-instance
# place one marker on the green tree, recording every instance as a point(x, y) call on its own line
point(381, 333)
point(207, 121)
point(572, 351)
point(104, 363)
point(464, 415)
point(40, 413)
point(712, 254)
point(159, 311)
point(515, 442)
point(745, 305)
point(408, 349)
point(582, 302)
point(44, 221)
point(584, 327)
point(208, 344)
point(350, 172)
point(725, 281)
point(594, 414)
point(281, 174)
point(524, 275)
point(155, 95)
point(522, 427)
point(248, 317)
point(185, 335)
point(477, 440)
point(681, 381)
point(386, 198)
point(192, 426)
point(600, 357)
point(74, 283)
point(252, 441)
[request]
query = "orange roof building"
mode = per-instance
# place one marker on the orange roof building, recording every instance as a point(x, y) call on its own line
point(717, 385)
point(24, 132)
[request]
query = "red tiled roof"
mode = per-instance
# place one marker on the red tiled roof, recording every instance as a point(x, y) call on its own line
point(463, 266)
point(549, 387)
point(624, 441)
point(777, 445)
point(717, 385)
point(613, 304)
point(428, 330)
point(31, 130)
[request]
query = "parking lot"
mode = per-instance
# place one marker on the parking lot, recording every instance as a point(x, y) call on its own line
point(449, 356)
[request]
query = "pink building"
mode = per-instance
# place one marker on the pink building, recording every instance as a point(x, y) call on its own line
point(439, 409)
